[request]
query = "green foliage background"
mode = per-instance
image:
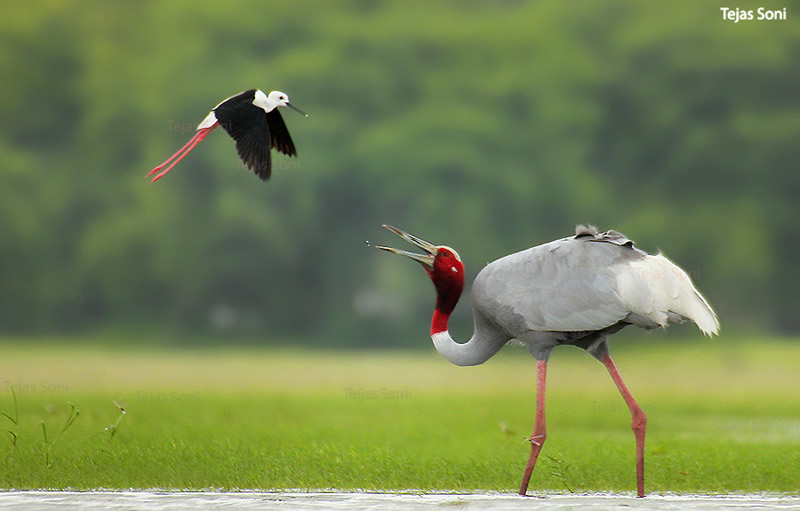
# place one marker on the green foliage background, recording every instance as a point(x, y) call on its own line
point(486, 126)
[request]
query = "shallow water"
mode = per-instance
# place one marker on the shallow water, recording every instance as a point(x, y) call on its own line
point(158, 501)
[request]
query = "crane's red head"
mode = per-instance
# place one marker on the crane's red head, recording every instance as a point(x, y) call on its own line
point(443, 266)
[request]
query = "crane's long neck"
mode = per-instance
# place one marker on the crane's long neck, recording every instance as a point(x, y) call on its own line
point(484, 343)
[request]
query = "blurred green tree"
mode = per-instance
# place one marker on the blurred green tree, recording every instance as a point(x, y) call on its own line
point(489, 127)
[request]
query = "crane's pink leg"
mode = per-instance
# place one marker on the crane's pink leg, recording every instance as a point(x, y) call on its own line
point(539, 429)
point(638, 421)
point(185, 150)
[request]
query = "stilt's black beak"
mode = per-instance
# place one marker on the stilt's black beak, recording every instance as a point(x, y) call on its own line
point(297, 109)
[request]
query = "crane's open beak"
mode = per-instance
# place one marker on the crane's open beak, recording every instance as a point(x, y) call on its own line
point(297, 109)
point(425, 259)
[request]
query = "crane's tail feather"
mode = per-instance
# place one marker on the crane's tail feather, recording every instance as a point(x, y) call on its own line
point(657, 289)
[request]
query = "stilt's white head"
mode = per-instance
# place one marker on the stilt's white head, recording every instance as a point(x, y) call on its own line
point(278, 98)
point(273, 100)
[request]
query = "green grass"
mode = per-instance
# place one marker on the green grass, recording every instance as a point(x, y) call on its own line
point(723, 418)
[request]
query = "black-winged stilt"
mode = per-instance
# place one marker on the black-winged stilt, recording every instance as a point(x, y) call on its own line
point(252, 119)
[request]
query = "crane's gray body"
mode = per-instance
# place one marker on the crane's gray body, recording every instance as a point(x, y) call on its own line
point(578, 290)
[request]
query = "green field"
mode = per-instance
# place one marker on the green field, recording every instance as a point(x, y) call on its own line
point(725, 417)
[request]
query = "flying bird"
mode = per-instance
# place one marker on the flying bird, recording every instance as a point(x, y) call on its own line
point(576, 291)
point(252, 119)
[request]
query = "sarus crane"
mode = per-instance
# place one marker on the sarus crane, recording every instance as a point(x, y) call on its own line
point(252, 119)
point(576, 291)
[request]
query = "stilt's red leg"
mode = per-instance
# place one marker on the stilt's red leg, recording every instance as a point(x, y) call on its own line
point(191, 140)
point(539, 429)
point(185, 149)
point(638, 422)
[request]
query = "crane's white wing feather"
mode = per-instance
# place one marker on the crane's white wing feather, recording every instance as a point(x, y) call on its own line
point(654, 286)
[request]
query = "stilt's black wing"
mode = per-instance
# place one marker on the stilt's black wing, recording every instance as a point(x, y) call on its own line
point(253, 147)
point(279, 136)
point(247, 125)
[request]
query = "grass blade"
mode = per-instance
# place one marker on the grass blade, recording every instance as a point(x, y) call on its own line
point(73, 415)
point(112, 429)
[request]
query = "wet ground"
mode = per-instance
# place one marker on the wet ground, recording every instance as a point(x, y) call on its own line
point(152, 501)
